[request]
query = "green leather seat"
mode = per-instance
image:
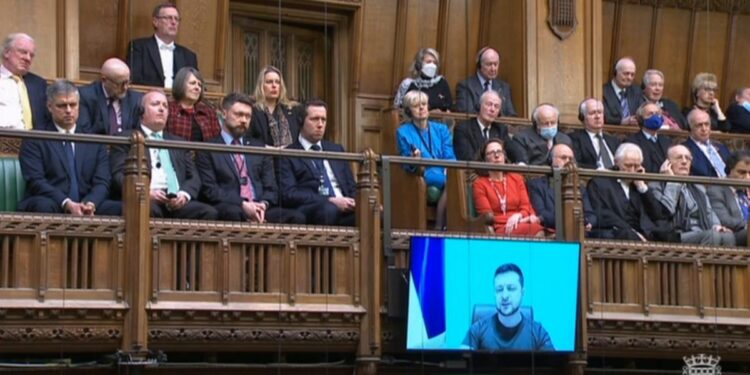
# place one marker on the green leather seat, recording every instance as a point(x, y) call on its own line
point(12, 185)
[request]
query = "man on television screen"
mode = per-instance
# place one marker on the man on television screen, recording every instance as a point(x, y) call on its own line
point(511, 328)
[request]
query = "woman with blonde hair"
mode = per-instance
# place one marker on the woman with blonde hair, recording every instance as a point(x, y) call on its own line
point(704, 88)
point(425, 78)
point(274, 122)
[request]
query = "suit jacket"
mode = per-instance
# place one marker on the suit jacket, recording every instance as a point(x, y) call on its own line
point(701, 166)
point(673, 110)
point(260, 130)
point(44, 168)
point(612, 108)
point(530, 148)
point(299, 179)
point(470, 90)
point(182, 162)
point(724, 203)
point(145, 62)
point(671, 197)
point(221, 181)
point(543, 199)
point(94, 113)
point(654, 154)
point(615, 211)
point(739, 117)
point(716, 124)
point(468, 138)
point(584, 150)
point(36, 86)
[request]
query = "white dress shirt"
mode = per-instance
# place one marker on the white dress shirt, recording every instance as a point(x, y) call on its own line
point(166, 52)
point(11, 109)
point(329, 171)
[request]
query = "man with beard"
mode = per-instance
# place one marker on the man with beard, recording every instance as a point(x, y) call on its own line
point(108, 105)
point(511, 328)
point(242, 187)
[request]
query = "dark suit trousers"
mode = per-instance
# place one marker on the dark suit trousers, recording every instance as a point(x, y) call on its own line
point(326, 213)
point(233, 212)
point(192, 210)
point(48, 206)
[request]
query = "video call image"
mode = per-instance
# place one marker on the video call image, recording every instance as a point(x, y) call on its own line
point(492, 295)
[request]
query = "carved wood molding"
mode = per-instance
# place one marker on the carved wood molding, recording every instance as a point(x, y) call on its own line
point(253, 335)
point(7, 315)
point(256, 317)
point(86, 335)
point(666, 251)
point(725, 6)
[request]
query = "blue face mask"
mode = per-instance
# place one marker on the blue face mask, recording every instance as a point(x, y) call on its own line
point(654, 122)
point(746, 105)
point(548, 133)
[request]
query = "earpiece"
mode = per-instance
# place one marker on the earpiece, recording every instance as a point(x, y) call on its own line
point(139, 110)
point(418, 66)
point(407, 111)
point(479, 56)
point(581, 109)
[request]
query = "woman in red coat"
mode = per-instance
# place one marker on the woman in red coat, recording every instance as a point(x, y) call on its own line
point(505, 196)
point(190, 117)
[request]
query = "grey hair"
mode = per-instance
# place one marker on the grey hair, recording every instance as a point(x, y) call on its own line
point(627, 148)
point(60, 87)
point(535, 113)
point(12, 38)
point(485, 94)
point(622, 61)
point(648, 73)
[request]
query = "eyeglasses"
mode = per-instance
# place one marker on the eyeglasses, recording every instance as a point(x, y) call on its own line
point(709, 89)
point(494, 153)
point(169, 18)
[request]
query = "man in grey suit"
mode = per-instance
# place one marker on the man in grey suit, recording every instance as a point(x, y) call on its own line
point(533, 145)
point(732, 205)
point(688, 205)
point(470, 90)
point(621, 95)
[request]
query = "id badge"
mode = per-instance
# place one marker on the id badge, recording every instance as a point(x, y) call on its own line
point(243, 181)
point(322, 188)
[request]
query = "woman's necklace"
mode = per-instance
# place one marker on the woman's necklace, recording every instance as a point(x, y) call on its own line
point(504, 197)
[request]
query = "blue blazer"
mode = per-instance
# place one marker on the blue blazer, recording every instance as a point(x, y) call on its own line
point(221, 181)
point(46, 173)
point(36, 86)
point(542, 197)
point(299, 179)
point(145, 62)
point(94, 114)
point(701, 166)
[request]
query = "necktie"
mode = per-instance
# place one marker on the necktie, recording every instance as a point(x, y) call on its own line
point(624, 103)
point(487, 85)
point(173, 186)
point(744, 204)
point(716, 160)
point(603, 153)
point(25, 105)
point(246, 187)
point(70, 159)
point(486, 132)
point(114, 127)
point(325, 181)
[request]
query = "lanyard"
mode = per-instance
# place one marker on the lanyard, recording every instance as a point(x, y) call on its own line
point(427, 145)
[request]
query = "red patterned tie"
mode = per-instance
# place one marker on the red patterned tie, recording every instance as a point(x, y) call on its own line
point(246, 190)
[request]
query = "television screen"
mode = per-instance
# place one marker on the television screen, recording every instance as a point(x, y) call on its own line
point(492, 295)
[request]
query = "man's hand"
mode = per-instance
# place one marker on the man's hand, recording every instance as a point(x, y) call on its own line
point(721, 229)
point(255, 211)
point(177, 202)
point(88, 209)
point(159, 196)
point(74, 208)
point(630, 120)
point(344, 204)
point(666, 168)
point(640, 184)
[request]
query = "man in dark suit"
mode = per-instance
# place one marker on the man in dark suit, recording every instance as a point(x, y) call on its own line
point(653, 145)
point(732, 205)
point(709, 157)
point(155, 60)
point(175, 183)
point(621, 95)
point(542, 195)
point(470, 90)
point(593, 148)
point(64, 176)
point(241, 187)
point(626, 209)
point(653, 92)
point(470, 135)
point(108, 106)
point(738, 112)
point(533, 145)
point(323, 190)
point(687, 206)
point(23, 95)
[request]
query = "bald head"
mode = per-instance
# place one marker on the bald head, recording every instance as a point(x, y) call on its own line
point(115, 77)
point(680, 160)
point(155, 110)
point(561, 154)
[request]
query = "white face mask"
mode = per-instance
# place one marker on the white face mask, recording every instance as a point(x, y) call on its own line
point(429, 70)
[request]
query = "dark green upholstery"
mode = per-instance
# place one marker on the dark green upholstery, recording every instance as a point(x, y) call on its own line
point(12, 185)
point(433, 195)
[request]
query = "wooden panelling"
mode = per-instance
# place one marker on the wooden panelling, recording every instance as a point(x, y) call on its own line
point(420, 31)
point(378, 45)
point(608, 34)
point(98, 20)
point(635, 36)
point(371, 123)
point(508, 38)
point(737, 68)
point(461, 38)
point(670, 51)
point(710, 47)
point(198, 32)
